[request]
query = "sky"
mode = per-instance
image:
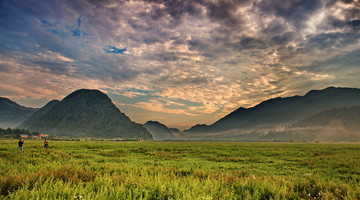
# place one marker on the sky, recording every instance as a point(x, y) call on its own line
point(179, 62)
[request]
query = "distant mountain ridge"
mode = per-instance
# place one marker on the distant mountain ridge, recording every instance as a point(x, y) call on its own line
point(331, 114)
point(281, 111)
point(159, 131)
point(36, 118)
point(84, 113)
point(12, 114)
point(349, 117)
point(333, 125)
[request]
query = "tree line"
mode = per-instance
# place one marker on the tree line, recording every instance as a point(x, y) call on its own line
point(15, 132)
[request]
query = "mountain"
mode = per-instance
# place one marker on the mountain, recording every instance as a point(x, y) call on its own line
point(175, 131)
point(159, 131)
point(84, 113)
point(348, 117)
point(280, 112)
point(333, 125)
point(12, 114)
point(39, 114)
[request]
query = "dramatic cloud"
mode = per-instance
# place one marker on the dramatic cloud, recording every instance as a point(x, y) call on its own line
point(186, 62)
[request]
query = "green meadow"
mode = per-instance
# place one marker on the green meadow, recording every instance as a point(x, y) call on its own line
point(178, 170)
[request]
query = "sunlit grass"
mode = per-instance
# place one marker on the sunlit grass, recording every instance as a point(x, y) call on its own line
point(178, 170)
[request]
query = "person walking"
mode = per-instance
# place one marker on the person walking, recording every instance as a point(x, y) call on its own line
point(46, 144)
point(20, 144)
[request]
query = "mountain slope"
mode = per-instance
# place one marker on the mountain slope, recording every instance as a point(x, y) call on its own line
point(348, 117)
point(12, 114)
point(333, 125)
point(282, 111)
point(36, 116)
point(159, 131)
point(85, 113)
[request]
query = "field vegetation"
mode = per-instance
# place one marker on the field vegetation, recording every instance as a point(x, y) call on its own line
point(178, 170)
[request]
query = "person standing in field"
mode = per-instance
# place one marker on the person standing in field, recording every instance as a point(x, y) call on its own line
point(46, 144)
point(20, 144)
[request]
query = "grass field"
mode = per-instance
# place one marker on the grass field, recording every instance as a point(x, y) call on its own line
point(178, 170)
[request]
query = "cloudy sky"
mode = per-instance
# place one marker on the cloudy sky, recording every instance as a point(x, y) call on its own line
point(180, 62)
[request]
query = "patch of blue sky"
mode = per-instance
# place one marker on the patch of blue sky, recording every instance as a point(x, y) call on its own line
point(57, 32)
point(78, 21)
point(115, 50)
point(46, 22)
point(77, 32)
point(64, 31)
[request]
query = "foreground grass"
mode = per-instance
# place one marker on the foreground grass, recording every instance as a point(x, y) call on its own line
point(179, 170)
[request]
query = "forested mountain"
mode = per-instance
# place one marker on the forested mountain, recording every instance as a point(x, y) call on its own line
point(332, 114)
point(280, 112)
point(12, 114)
point(159, 131)
point(333, 125)
point(84, 113)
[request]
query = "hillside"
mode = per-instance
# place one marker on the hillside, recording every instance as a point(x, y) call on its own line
point(280, 112)
point(84, 113)
point(12, 114)
point(36, 116)
point(159, 131)
point(333, 125)
point(349, 117)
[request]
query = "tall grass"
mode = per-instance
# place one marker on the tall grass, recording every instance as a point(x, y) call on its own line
point(179, 170)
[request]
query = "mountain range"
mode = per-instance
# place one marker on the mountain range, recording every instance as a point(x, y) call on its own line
point(159, 131)
point(333, 125)
point(12, 114)
point(331, 114)
point(282, 111)
point(84, 113)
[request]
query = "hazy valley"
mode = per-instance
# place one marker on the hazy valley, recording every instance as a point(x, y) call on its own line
point(329, 115)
